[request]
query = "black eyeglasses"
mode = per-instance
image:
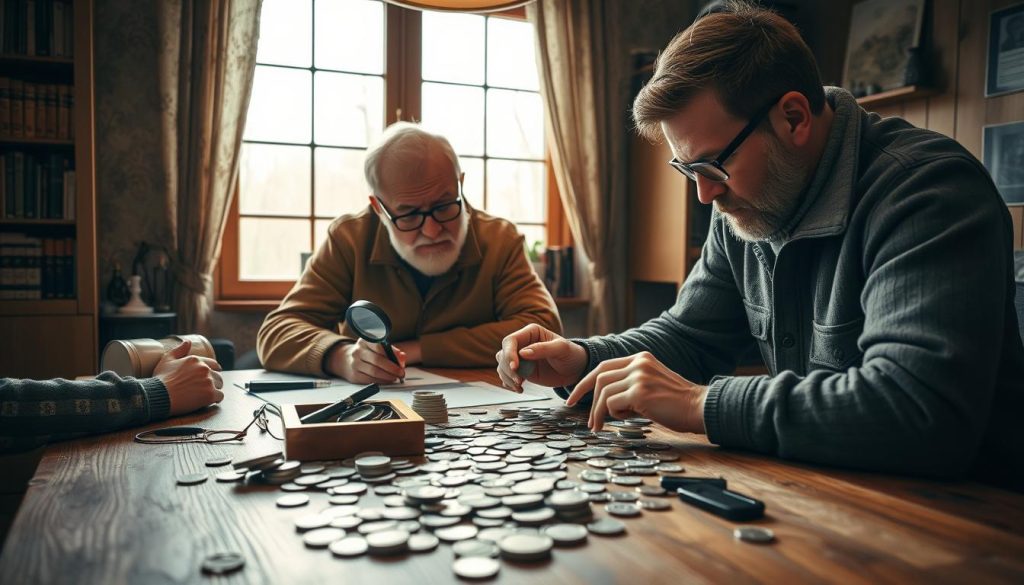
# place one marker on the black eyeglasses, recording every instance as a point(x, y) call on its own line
point(202, 435)
point(442, 213)
point(714, 169)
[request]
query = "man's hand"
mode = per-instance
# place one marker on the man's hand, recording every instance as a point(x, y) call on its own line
point(558, 361)
point(364, 362)
point(640, 385)
point(192, 381)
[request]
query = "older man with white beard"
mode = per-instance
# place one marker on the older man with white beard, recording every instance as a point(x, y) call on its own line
point(453, 280)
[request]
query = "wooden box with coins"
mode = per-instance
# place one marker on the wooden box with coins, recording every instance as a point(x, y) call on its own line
point(388, 426)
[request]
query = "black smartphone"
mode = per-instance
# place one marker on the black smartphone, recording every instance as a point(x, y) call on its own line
point(721, 502)
point(673, 482)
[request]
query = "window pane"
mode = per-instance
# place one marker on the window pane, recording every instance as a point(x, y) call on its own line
point(320, 234)
point(284, 32)
point(271, 249)
point(534, 233)
point(511, 57)
point(340, 186)
point(349, 109)
point(473, 184)
point(457, 113)
point(275, 180)
point(453, 47)
point(515, 124)
point(279, 107)
point(515, 190)
point(350, 36)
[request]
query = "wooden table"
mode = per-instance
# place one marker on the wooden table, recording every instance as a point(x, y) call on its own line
point(106, 510)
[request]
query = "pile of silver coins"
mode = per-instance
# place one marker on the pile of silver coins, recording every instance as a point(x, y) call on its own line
point(431, 406)
point(491, 488)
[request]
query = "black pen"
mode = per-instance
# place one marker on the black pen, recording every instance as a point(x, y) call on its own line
point(269, 385)
point(340, 406)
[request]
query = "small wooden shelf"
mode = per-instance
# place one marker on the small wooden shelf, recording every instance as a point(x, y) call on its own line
point(900, 94)
point(35, 222)
point(40, 307)
point(9, 58)
point(20, 141)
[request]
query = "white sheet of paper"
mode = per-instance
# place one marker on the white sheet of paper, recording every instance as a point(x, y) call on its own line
point(456, 394)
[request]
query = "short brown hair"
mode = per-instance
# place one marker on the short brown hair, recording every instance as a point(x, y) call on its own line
point(746, 54)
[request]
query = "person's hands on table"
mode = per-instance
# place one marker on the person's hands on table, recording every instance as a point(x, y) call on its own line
point(640, 385)
point(192, 382)
point(557, 361)
point(364, 362)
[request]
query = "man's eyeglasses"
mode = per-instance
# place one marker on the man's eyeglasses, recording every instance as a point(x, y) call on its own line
point(714, 169)
point(201, 435)
point(442, 213)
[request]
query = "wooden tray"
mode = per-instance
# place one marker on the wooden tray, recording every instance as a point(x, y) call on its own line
point(325, 441)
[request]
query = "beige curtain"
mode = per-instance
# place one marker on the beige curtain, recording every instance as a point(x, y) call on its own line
point(586, 124)
point(207, 62)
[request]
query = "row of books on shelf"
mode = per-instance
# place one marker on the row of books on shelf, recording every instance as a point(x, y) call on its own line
point(36, 268)
point(559, 271)
point(37, 185)
point(37, 28)
point(36, 110)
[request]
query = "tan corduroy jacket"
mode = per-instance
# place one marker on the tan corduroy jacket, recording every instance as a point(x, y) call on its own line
point(490, 292)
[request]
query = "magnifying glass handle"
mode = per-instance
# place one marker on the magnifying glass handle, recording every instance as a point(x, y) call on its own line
point(392, 356)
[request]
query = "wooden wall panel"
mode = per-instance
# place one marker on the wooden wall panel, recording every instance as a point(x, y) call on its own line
point(658, 223)
point(48, 346)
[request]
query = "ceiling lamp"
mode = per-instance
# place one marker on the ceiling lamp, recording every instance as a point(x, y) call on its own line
point(461, 5)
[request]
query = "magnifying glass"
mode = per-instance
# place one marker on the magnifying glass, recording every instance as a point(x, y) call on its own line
point(372, 324)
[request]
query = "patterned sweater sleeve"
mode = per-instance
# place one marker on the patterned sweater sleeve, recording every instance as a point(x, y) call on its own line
point(33, 413)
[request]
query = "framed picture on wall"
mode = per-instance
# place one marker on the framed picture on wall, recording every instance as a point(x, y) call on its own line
point(881, 33)
point(1003, 153)
point(1005, 69)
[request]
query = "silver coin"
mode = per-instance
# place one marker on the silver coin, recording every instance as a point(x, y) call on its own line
point(522, 501)
point(218, 461)
point(261, 462)
point(192, 478)
point(655, 505)
point(350, 546)
point(388, 541)
point(312, 479)
point(346, 522)
point(336, 511)
point(401, 513)
point(475, 548)
point(342, 499)
point(534, 486)
point(525, 547)
point(292, 501)
point(456, 533)
point(651, 490)
point(312, 522)
point(223, 563)
point(533, 517)
point(606, 527)
point(622, 509)
point(311, 468)
point(755, 534)
point(624, 496)
point(566, 534)
point(669, 468)
point(567, 500)
point(425, 494)
point(627, 480)
point(423, 542)
point(322, 537)
point(499, 513)
point(230, 476)
point(435, 521)
point(476, 567)
point(351, 488)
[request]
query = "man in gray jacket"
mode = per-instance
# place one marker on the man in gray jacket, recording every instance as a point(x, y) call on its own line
point(869, 260)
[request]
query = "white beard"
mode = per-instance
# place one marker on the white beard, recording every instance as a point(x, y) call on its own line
point(433, 264)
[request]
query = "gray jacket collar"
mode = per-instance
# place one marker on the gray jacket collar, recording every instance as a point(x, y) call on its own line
point(831, 188)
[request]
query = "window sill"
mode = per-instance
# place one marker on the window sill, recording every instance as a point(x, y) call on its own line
point(251, 306)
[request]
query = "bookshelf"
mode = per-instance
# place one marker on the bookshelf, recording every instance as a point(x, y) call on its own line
point(48, 306)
